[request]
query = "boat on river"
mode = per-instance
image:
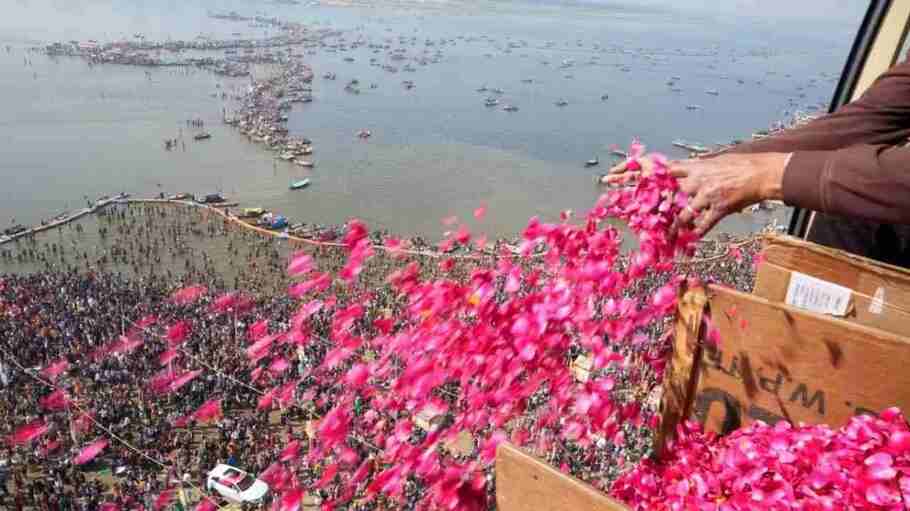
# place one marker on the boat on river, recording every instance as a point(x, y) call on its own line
point(689, 146)
point(305, 163)
point(252, 212)
point(593, 162)
point(297, 185)
point(202, 136)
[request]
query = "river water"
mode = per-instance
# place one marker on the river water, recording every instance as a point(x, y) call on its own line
point(69, 130)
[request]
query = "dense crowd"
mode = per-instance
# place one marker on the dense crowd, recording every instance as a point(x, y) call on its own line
point(84, 302)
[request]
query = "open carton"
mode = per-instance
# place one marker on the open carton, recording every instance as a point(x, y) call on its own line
point(822, 363)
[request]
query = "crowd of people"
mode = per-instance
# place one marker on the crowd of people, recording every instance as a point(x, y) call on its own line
point(86, 297)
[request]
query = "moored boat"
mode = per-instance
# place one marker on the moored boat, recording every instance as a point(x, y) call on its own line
point(297, 185)
point(252, 212)
point(305, 163)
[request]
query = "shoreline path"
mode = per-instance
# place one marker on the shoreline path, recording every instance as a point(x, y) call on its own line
point(226, 215)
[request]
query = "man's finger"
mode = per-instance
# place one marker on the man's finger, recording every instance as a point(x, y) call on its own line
point(619, 168)
point(696, 205)
point(690, 184)
point(708, 221)
point(688, 214)
point(684, 168)
point(680, 172)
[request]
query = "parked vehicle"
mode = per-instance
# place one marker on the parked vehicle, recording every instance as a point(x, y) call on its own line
point(236, 485)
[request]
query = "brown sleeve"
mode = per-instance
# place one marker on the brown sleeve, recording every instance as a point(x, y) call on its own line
point(871, 182)
point(846, 163)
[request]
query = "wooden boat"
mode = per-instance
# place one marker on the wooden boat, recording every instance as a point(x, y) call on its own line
point(202, 136)
point(297, 185)
point(252, 212)
point(695, 148)
point(305, 163)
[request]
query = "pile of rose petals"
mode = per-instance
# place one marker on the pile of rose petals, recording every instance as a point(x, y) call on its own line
point(863, 465)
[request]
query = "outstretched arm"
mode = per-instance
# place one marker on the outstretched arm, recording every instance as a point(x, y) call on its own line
point(848, 163)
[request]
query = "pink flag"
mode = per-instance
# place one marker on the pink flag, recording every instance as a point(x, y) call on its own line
point(89, 452)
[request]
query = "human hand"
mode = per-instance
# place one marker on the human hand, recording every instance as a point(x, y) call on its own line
point(717, 186)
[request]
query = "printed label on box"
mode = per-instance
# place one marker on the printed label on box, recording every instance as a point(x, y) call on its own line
point(816, 295)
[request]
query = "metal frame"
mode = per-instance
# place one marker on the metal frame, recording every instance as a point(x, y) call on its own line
point(866, 37)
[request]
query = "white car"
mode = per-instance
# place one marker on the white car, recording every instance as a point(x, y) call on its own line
point(236, 485)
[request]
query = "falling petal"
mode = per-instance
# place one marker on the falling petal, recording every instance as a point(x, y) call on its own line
point(168, 356)
point(183, 379)
point(163, 500)
point(188, 295)
point(209, 410)
point(177, 332)
point(290, 452)
point(28, 432)
point(55, 369)
point(290, 500)
point(301, 264)
point(90, 452)
point(55, 401)
point(206, 504)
